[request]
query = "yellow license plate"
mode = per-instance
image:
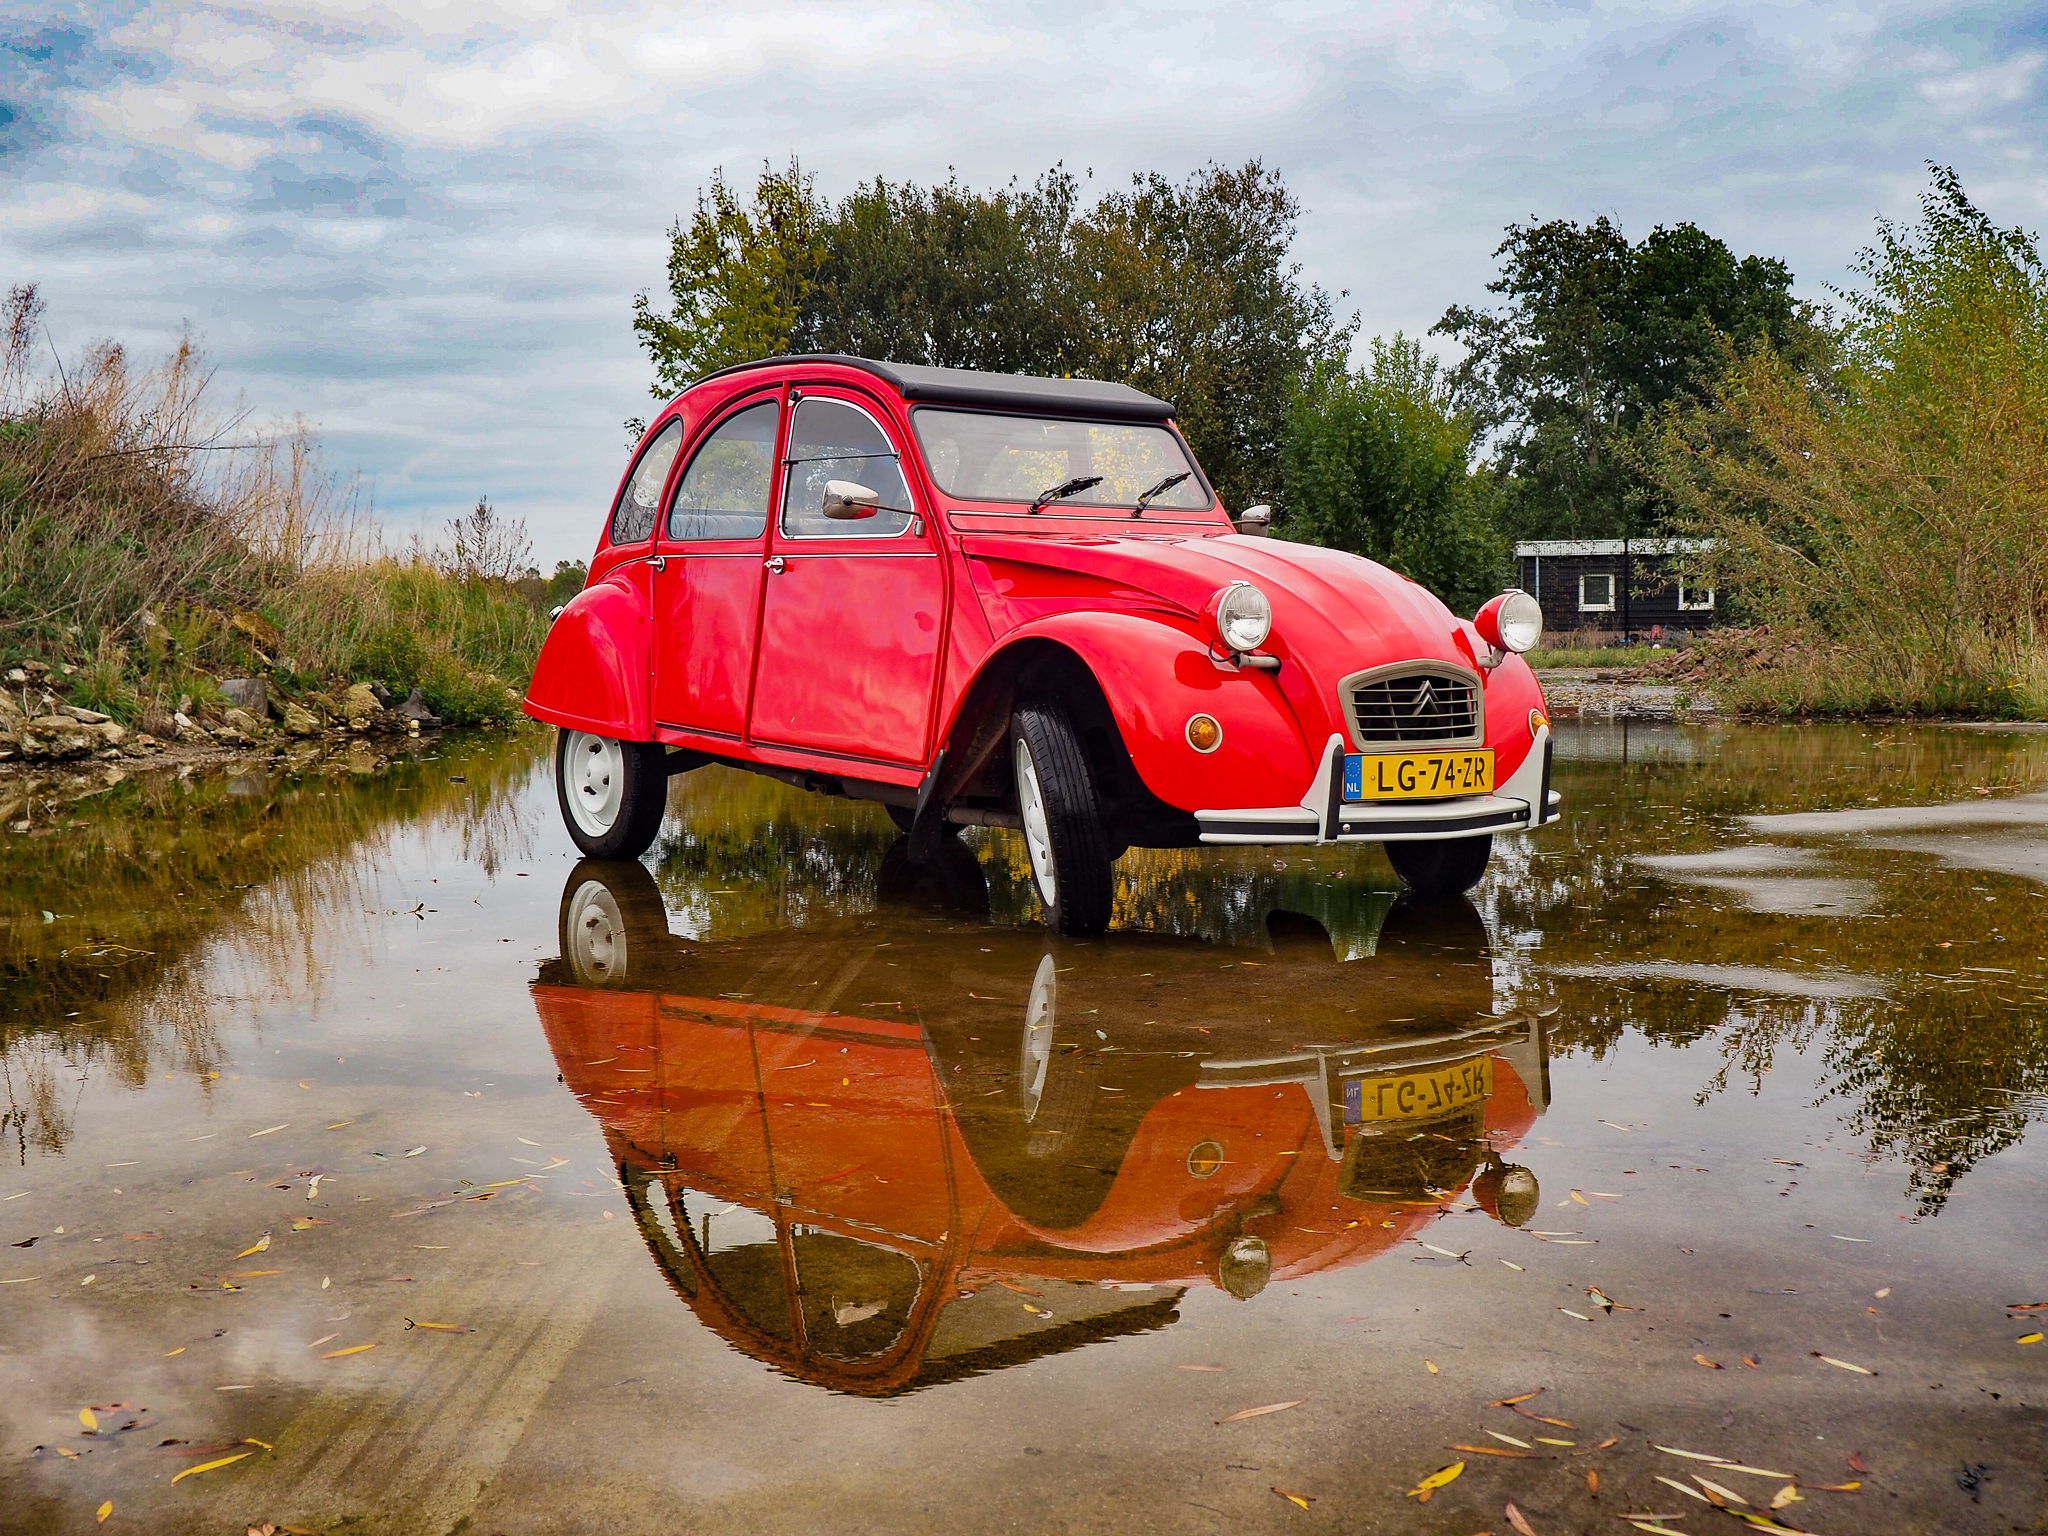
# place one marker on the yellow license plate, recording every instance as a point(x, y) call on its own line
point(1418, 1095)
point(1418, 775)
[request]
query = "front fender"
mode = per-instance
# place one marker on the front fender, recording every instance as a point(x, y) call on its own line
point(1155, 674)
point(594, 667)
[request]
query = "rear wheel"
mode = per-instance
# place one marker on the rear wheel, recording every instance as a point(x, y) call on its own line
point(611, 792)
point(1450, 866)
point(1063, 831)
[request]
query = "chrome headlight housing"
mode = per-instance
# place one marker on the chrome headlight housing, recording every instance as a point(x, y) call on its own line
point(1241, 616)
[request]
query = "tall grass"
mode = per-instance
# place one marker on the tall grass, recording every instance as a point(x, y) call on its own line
point(1885, 517)
point(157, 542)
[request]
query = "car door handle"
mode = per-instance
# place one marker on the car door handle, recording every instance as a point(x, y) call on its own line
point(659, 563)
point(776, 564)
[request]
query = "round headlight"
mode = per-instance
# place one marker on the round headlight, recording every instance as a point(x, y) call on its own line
point(1511, 622)
point(1242, 615)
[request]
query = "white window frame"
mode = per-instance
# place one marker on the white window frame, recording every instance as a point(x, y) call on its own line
point(1695, 607)
point(1607, 576)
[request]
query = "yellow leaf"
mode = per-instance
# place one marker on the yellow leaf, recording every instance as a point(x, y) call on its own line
point(2028, 1338)
point(1580, 1198)
point(1436, 1480)
point(258, 1246)
point(247, 1440)
point(90, 1420)
point(353, 1349)
point(1432, 1368)
point(178, 1351)
point(1294, 1498)
point(1844, 1364)
point(208, 1466)
point(1789, 1494)
point(104, 1510)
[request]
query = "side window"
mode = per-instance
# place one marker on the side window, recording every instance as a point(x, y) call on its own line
point(640, 503)
point(724, 494)
point(1596, 592)
point(831, 440)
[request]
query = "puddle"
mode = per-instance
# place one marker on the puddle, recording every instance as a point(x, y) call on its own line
point(356, 1129)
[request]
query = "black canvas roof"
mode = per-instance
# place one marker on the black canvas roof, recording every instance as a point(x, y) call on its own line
point(1001, 391)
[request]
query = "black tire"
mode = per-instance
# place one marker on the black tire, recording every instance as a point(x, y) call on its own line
point(1450, 866)
point(612, 924)
point(611, 793)
point(1063, 831)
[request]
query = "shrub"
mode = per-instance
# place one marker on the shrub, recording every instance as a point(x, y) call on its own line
point(392, 655)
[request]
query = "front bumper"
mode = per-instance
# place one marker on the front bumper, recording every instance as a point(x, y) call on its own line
point(1526, 800)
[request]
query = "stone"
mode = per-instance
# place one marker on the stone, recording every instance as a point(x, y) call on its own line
point(361, 704)
point(228, 736)
point(415, 709)
point(36, 668)
point(83, 716)
point(241, 720)
point(10, 713)
point(251, 694)
point(16, 676)
point(56, 736)
point(189, 729)
point(184, 704)
point(384, 696)
point(300, 721)
point(112, 732)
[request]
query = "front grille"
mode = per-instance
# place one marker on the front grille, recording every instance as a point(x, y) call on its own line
point(1416, 709)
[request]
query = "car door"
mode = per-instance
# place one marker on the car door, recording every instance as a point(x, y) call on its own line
point(707, 593)
point(854, 612)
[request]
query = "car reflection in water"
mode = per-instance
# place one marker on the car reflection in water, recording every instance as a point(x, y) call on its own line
point(900, 1150)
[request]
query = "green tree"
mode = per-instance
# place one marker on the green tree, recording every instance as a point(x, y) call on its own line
point(1595, 337)
point(1883, 515)
point(738, 277)
point(1377, 460)
point(1181, 288)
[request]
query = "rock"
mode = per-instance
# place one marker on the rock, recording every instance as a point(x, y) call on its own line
point(228, 736)
point(247, 693)
point(257, 630)
point(111, 732)
point(189, 729)
point(11, 717)
point(36, 668)
point(361, 704)
point(184, 704)
point(384, 696)
point(300, 721)
point(16, 676)
point(56, 736)
point(83, 716)
point(415, 709)
point(241, 720)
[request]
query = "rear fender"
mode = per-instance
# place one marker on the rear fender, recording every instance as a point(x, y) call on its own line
point(1154, 675)
point(594, 667)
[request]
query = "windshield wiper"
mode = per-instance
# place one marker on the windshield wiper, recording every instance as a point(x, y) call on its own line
point(1159, 490)
point(1064, 489)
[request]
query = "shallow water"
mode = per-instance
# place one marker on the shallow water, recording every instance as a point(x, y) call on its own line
point(357, 1131)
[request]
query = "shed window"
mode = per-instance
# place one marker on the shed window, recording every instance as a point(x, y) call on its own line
point(1596, 592)
point(1695, 599)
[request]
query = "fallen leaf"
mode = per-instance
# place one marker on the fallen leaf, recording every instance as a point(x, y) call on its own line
point(1672, 1450)
point(2028, 1338)
point(1537, 1418)
point(1518, 1521)
point(1592, 1481)
point(258, 1246)
point(1712, 1365)
point(1509, 1439)
point(1843, 1364)
point(1435, 1372)
point(1198, 1367)
point(1752, 1362)
point(1568, 1312)
point(208, 1466)
point(1728, 1494)
point(1856, 1462)
point(1580, 1198)
point(1547, 1440)
point(1494, 1450)
point(1294, 1498)
point(103, 1511)
point(353, 1349)
point(267, 1130)
point(1835, 1487)
point(1511, 1264)
point(1034, 1311)
point(1731, 1466)
point(1509, 1402)
point(1437, 1479)
point(1655, 1529)
point(178, 1351)
point(439, 1327)
point(416, 1151)
point(1689, 1492)
point(90, 1420)
point(1880, 1295)
point(1253, 1413)
point(1021, 1290)
point(1789, 1494)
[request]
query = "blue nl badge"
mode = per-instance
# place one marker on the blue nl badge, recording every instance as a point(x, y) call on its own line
point(1354, 776)
point(1354, 1101)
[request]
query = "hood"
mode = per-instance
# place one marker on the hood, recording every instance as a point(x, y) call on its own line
point(1333, 612)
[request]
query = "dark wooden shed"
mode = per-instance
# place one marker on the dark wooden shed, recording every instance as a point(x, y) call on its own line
point(1615, 586)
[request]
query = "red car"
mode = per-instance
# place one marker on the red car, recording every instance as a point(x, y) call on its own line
point(883, 1165)
point(985, 598)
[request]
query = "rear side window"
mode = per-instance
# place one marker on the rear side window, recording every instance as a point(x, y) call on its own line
point(640, 503)
point(724, 493)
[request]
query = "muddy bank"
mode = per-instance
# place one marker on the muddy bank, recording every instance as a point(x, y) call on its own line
point(1622, 693)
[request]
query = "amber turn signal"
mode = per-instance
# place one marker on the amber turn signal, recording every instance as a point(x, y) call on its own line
point(1204, 734)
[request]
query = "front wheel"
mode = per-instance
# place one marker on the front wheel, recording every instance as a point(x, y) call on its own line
point(1450, 866)
point(612, 793)
point(1063, 831)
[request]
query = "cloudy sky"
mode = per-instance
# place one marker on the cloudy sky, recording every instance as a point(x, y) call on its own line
point(421, 224)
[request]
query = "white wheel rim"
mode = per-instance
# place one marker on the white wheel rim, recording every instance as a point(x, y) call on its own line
point(1037, 833)
point(593, 780)
point(597, 934)
point(1039, 1018)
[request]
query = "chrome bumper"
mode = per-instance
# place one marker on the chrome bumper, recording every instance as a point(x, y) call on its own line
point(1324, 816)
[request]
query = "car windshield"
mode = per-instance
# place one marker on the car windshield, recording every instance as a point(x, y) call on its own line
point(985, 457)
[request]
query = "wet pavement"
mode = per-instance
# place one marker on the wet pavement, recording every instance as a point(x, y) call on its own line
point(374, 1165)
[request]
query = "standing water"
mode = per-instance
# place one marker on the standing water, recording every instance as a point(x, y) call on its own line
point(374, 1165)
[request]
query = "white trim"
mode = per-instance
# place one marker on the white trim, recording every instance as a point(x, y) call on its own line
point(1607, 576)
point(1685, 607)
point(1555, 547)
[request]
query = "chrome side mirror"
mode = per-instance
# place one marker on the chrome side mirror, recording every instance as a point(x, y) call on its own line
point(1256, 522)
point(846, 501)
